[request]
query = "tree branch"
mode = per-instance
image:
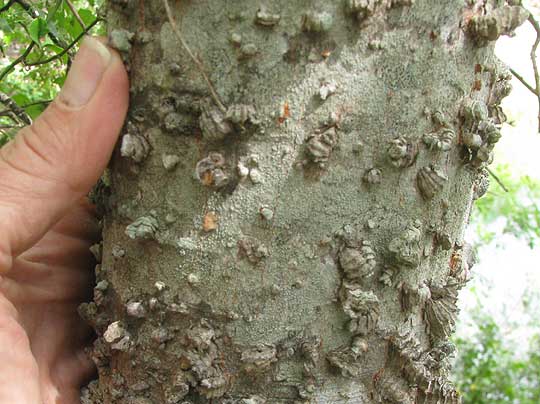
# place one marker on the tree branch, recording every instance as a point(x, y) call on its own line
point(28, 8)
point(4, 127)
point(20, 59)
point(5, 112)
point(536, 89)
point(496, 178)
point(536, 27)
point(523, 81)
point(31, 11)
point(7, 6)
point(76, 14)
point(19, 112)
point(67, 49)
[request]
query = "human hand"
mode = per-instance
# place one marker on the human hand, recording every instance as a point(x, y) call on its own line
point(47, 226)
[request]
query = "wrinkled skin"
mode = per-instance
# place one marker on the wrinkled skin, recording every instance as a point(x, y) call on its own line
point(47, 227)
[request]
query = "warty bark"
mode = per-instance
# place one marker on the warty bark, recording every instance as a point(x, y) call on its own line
point(300, 240)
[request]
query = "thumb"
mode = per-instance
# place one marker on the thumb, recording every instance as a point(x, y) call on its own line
point(50, 165)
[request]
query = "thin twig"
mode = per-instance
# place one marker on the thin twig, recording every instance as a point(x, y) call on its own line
point(33, 13)
point(497, 179)
point(76, 14)
point(10, 116)
point(28, 8)
point(23, 107)
point(523, 81)
point(192, 56)
point(3, 127)
point(67, 49)
point(536, 27)
point(19, 112)
point(536, 89)
point(7, 6)
point(50, 15)
point(20, 59)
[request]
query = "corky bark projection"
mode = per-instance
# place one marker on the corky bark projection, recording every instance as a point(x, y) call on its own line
point(285, 211)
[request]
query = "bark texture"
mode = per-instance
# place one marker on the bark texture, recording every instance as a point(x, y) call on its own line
point(297, 238)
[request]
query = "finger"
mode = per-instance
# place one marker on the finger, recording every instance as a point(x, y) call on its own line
point(59, 266)
point(37, 283)
point(19, 373)
point(56, 250)
point(74, 371)
point(53, 163)
point(81, 222)
point(67, 243)
point(58, 347)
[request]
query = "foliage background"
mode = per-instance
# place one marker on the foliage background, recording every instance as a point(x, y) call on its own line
point(46, 33)
point(498, 334)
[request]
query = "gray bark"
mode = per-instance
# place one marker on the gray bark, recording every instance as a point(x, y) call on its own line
point(304, 243)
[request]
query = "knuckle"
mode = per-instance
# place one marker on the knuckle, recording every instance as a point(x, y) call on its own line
point(33, 141)
point(53, 122)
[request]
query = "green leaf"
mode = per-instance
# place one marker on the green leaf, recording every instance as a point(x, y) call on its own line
point(87, 16)
point(518, 208)
point(52, 28)
point(37, 30)
point(4, 26)
point(53, 10)
point(35, 110)
point(52, 47)
point(59, 80)
point(20, 98)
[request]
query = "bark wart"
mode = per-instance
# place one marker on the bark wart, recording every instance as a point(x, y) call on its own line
point(304, 243)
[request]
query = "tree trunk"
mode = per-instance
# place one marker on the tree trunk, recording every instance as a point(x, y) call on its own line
point(290, 229)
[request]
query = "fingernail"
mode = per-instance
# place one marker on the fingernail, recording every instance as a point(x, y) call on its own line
point(85, 73)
